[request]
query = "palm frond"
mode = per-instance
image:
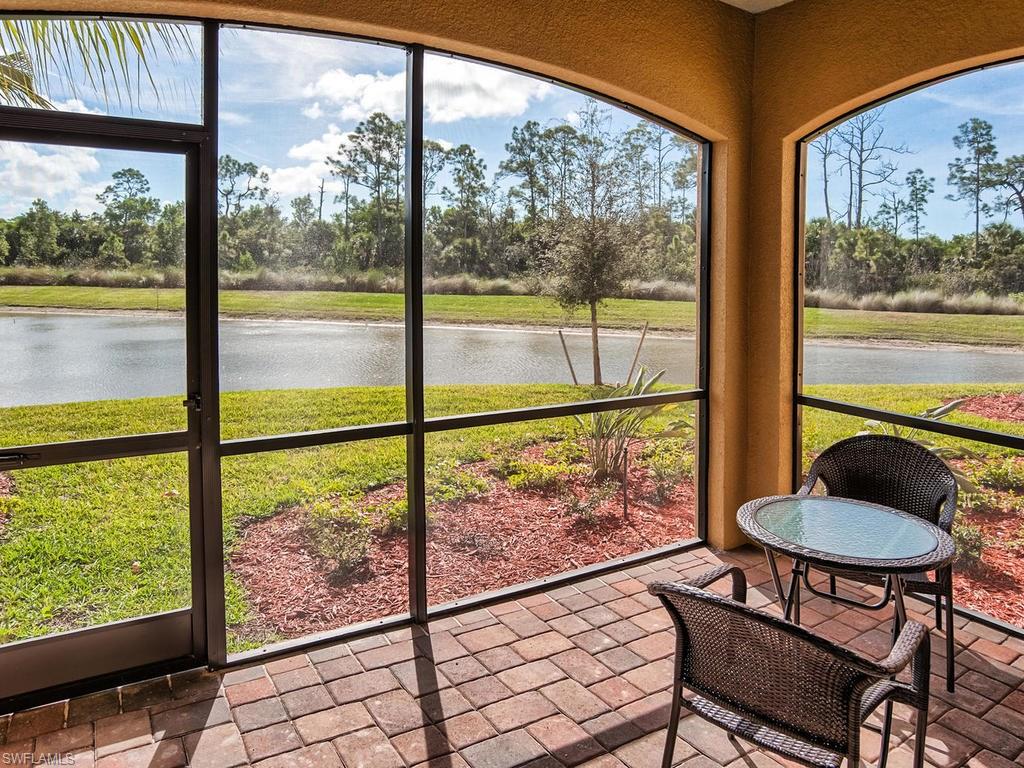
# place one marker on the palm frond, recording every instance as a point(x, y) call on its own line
point(109, 56)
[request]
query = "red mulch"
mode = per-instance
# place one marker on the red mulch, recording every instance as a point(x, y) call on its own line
point(1006, 407)
point(476, 545)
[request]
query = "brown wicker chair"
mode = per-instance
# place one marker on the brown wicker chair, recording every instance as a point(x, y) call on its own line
point(779, 685)
point(898, 473)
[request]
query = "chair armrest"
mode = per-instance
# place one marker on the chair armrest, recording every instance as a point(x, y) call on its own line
point(913, 637)
point(704, 580)
point(948, 511)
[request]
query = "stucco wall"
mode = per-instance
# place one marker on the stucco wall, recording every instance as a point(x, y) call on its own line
point(815, 60)
point(686, 60)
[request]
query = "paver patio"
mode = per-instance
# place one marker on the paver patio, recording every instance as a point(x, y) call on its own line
point(575, 676)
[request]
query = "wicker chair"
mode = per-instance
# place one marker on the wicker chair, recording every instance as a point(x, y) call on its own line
point(779, 685)
point(898, 473)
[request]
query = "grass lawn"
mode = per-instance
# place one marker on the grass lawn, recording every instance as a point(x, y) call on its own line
point(102, 541)
point(676, 316)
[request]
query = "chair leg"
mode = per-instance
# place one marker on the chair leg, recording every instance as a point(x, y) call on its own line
point(919, 737)
point(938, 612)
point(950, 645)
point(673, 725)
point(883, 755)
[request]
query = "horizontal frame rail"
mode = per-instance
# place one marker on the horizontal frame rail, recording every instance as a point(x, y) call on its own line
point(77, 451)
point(73, 127)
point(248, 445)
point(446, 423)
point(962, 431)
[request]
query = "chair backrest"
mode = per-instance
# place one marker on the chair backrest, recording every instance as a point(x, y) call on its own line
point(888, 470)
point(765, 669)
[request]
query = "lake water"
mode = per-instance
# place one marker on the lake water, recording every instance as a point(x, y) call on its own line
point(63, 357)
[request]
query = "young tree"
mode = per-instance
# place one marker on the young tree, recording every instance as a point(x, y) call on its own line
point(637, 167)
point(239, 182)
point(972, 173)
point(593, 237)
point(340, 166)
point(891, 211)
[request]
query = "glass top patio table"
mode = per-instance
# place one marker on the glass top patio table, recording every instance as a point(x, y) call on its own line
point(833, 531)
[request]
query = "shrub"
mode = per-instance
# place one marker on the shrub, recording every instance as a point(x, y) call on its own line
point(607, 435)
point(339, 532)
point(565, 452)
point(970, 543)
point(393, 515)
point(1006, 474)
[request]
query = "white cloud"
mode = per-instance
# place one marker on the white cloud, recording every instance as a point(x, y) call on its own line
point(318, 150)
point(313, 111)
point(27, 173)
point(84, 198)
point(445, 144)
point(453, 90)
point(75, 105)
point(359, 95)
point(297, 180)
point(572, 118)
point(233, 118)
point(1004, 102)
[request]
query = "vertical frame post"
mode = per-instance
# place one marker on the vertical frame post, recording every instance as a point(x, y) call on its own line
point(416, 482)
point(799, 207)
point(209, 389)
point(703, 336)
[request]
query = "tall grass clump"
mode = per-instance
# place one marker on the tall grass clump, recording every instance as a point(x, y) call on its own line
point(917, 301)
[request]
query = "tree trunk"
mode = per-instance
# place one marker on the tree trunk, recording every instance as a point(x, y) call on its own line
point(594, 344)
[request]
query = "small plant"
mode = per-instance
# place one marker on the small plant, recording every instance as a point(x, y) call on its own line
point(607, 435)
point(970, 543)
point(669, 460)
point(338, 531)
point(535, 476)
point(565, 452)
point(392, 515)
point(944, 452)
point(1006, 474)
point(446, 482)
point(585, 508)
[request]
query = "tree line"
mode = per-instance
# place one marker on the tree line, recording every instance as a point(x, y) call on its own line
point(873, 236)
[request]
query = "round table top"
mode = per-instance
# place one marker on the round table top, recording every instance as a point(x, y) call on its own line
point(833, 531)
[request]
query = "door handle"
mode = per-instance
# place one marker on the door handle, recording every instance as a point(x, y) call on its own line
point(193, 403)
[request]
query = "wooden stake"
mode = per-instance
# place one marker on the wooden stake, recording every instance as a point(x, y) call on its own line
point(636, 357)
point(567, 358)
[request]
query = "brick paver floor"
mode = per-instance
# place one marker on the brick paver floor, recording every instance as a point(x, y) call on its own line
point(575, 676)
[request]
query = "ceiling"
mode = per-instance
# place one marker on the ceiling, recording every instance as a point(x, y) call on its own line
point(756, 6)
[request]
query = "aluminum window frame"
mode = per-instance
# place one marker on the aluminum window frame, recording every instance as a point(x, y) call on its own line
point(203, 354)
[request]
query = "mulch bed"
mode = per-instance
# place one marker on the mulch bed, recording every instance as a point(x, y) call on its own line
point(1005, 407)
point(501, 538)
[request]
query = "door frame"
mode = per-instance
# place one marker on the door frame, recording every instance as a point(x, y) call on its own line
point(43, 668)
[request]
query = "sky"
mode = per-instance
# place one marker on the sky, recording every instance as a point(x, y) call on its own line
point(287, 101)
point(926, 121)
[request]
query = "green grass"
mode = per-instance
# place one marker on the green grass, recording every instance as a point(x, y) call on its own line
point(678, 316)
point(101, 541)
point(88, 543)
point(822, 428)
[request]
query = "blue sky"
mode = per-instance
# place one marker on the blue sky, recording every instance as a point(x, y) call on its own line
point(287, 100)
point(926, 122)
